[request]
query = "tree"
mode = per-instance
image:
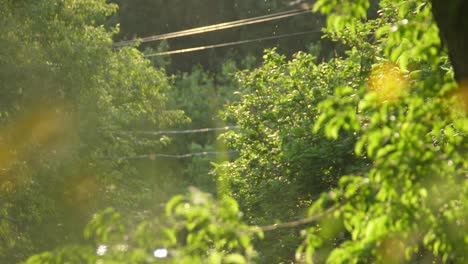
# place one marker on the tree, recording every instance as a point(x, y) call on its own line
point(65, 92)
point(451, 21)
point(282, 166)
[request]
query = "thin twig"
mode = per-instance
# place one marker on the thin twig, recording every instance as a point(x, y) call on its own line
point(309, 219)
point(295, 223)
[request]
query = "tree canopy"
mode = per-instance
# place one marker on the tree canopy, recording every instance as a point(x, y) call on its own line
point(64, 91)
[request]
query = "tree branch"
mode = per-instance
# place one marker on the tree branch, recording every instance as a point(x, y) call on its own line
point(295, 223)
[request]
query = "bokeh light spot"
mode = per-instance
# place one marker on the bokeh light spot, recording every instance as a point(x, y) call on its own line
point(101, 250)
point(160, 253)
point(388, 82)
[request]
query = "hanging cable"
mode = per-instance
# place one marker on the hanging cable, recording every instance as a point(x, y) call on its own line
point(168, 132)
point(215, 27)
point(181, 156)
point(229, 44)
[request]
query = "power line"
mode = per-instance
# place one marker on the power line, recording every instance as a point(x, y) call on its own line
point(312, 218)
point(169, 132)
point(229, 44)
point(295, 223)
point(175, 156)
point(216, 27)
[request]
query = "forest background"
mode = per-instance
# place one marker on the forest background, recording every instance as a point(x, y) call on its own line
point(350, 151)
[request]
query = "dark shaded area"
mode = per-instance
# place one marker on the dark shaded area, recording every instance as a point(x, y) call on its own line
point(142, 18)
point(452, 19)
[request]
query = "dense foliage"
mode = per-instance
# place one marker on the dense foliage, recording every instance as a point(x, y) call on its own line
point(359, 158)
point(64, 91)
point(396, 134)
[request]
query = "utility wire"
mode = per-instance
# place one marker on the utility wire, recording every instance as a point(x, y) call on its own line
point(295, 223)
point(181, 156)
point(229, 44)
point(216, 27)
point(170, 132)
point(312, 218)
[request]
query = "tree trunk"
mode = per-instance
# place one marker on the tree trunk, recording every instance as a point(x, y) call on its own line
point(452, 18)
